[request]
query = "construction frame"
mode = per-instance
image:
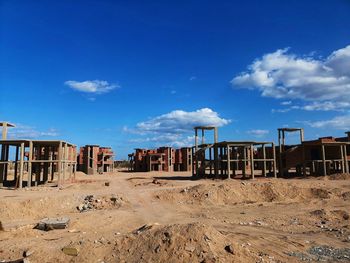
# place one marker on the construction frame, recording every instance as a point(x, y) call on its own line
point(46, 161)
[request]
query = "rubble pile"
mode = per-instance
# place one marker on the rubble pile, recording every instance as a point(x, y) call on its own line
point(98, 203)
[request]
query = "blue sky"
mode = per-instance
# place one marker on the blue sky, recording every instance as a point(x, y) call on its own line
point(132, 74)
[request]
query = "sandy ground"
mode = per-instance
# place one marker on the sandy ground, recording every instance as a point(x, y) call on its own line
point(261, 220)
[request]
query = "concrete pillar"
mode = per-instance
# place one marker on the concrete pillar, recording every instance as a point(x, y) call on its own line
point(21, 163)
point(324, 160)
point(30, 158)
point(346, 158)
point(343, 157)
point(274, 160)
point(252, 161)
point(16, 165)
point(244, 161)
point(59, 163)
point(228, 162)
point(264, 157)
point(4, 130)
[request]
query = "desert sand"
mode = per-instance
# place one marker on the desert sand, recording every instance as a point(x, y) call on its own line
point(167, 217)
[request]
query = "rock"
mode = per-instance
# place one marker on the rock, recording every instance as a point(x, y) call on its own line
point(70, 251)
point(106, 183)
point(142, 229)
point(190, 248)
point(1, 227)
point(27, 253)
point(48, 224)
point(229, 249)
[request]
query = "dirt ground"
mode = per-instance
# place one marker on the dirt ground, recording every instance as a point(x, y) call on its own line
point(167, 217)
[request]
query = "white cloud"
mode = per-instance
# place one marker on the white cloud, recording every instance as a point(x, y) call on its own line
point(284, 103)
point(180, 121)
point(91, 86)
point(258, 133)
point(28, 132)
point(283, 75)
point(172, 140)
point(339, 122)
point(176, 127)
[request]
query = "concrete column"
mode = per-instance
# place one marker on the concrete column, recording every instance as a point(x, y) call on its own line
point(264, 157)
point(244, 161)
point(343, 157)
point(324, 160)
point(302, 135)
point(203, 140)
point(228, 162)
point(252, 160)
point(210, 162)
point(346, 158)
point(16, 165)
point(274, 160)
point(21, 164)
point(304, 161)
point(59, 163)
point(4, 131)
point(30, 158)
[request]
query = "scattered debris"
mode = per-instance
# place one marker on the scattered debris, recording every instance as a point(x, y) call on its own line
point(323, 253)
point(330, 253)
point(144, 228)
point(104, 202)
point(48, 224)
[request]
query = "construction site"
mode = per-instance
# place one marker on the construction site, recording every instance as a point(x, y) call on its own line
point(213, 201)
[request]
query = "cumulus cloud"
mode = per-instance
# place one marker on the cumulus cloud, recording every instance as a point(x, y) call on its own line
point(338, 122)
point(91, 86)
point(180, 121)
point(28, 132)
point(258, 133)
point(283, 75)
point(175, 128)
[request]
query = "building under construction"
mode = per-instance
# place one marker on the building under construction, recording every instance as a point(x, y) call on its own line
point(94, 159)
point(324, 156)
point(165, 159)
point(229, 159)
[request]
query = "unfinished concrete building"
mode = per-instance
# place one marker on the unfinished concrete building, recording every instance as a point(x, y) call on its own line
point(94, 159)
point(324, 156)
point(230, 159)
point(33, 162)
point(165, 159)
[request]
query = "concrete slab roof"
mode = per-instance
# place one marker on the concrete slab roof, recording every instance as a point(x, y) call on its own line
point(3, 123)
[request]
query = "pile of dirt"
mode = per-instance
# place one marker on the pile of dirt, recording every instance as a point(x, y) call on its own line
point(244, 192)
point(338, 177)
point(98, 203)
point(193, 242)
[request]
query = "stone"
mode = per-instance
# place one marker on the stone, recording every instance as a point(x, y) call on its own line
point(106, 183)
point(229, 249)
point(70, 251)
point(27, 253)
point(190, 248)
point(48, 224)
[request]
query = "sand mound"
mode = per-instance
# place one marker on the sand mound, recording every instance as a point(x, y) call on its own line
point(244, 192)
point(178, 243)
point(339, 177)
